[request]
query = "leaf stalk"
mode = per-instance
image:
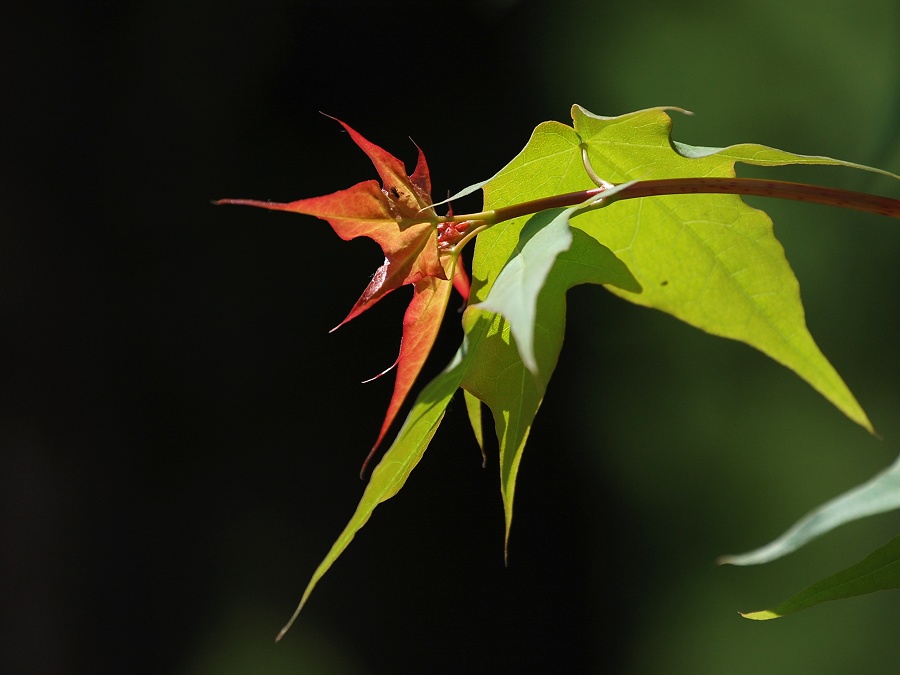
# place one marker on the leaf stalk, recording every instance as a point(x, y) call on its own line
point(754, 187)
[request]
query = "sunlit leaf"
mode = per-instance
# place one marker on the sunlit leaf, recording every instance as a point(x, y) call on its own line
point(710, 260)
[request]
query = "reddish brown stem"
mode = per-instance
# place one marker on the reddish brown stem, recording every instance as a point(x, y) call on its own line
point(801, 192)
point(755, 187)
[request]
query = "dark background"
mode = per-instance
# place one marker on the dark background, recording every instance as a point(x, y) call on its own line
point(180, 435)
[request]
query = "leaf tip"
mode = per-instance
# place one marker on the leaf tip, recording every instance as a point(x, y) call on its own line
point(331, 117)
point(382, 373)
point(856, 414)
point(365, 464)
point(287, 626)
point(763, 615)
point(506, 543)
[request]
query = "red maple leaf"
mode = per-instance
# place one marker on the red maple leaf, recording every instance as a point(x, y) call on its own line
point(399, 216)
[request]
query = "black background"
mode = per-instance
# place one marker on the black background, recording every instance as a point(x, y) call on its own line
point(181, 434)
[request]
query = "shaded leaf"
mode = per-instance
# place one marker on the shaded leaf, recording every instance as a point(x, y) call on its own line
point(880, 494)
point(878, 572)
point(498, 376)
point(514, 293)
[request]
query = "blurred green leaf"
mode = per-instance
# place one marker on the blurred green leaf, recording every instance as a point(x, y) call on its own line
point(878, 572)
point(880, 494)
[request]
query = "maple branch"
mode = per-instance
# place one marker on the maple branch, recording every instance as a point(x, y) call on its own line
point(801, 192)
point(755, 187)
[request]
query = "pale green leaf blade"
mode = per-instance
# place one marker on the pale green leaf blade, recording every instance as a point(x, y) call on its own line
point(734, 280)
point(498, 377)
point(465, 192)
point(878, 495)
point(762, 155)
point(710, 260)
point(878, 572)
point(514, 294)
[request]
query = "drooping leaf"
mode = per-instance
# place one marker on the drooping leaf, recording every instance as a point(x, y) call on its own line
point(514, 294)
point(400, 218)
point(878, 572)
point(497, 374)
point(402, 457)
point(488, 348)
point(878, 495)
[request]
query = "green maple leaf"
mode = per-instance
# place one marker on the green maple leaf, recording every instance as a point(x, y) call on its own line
point(710, 260)
point(399, 216)
point(879, 571)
